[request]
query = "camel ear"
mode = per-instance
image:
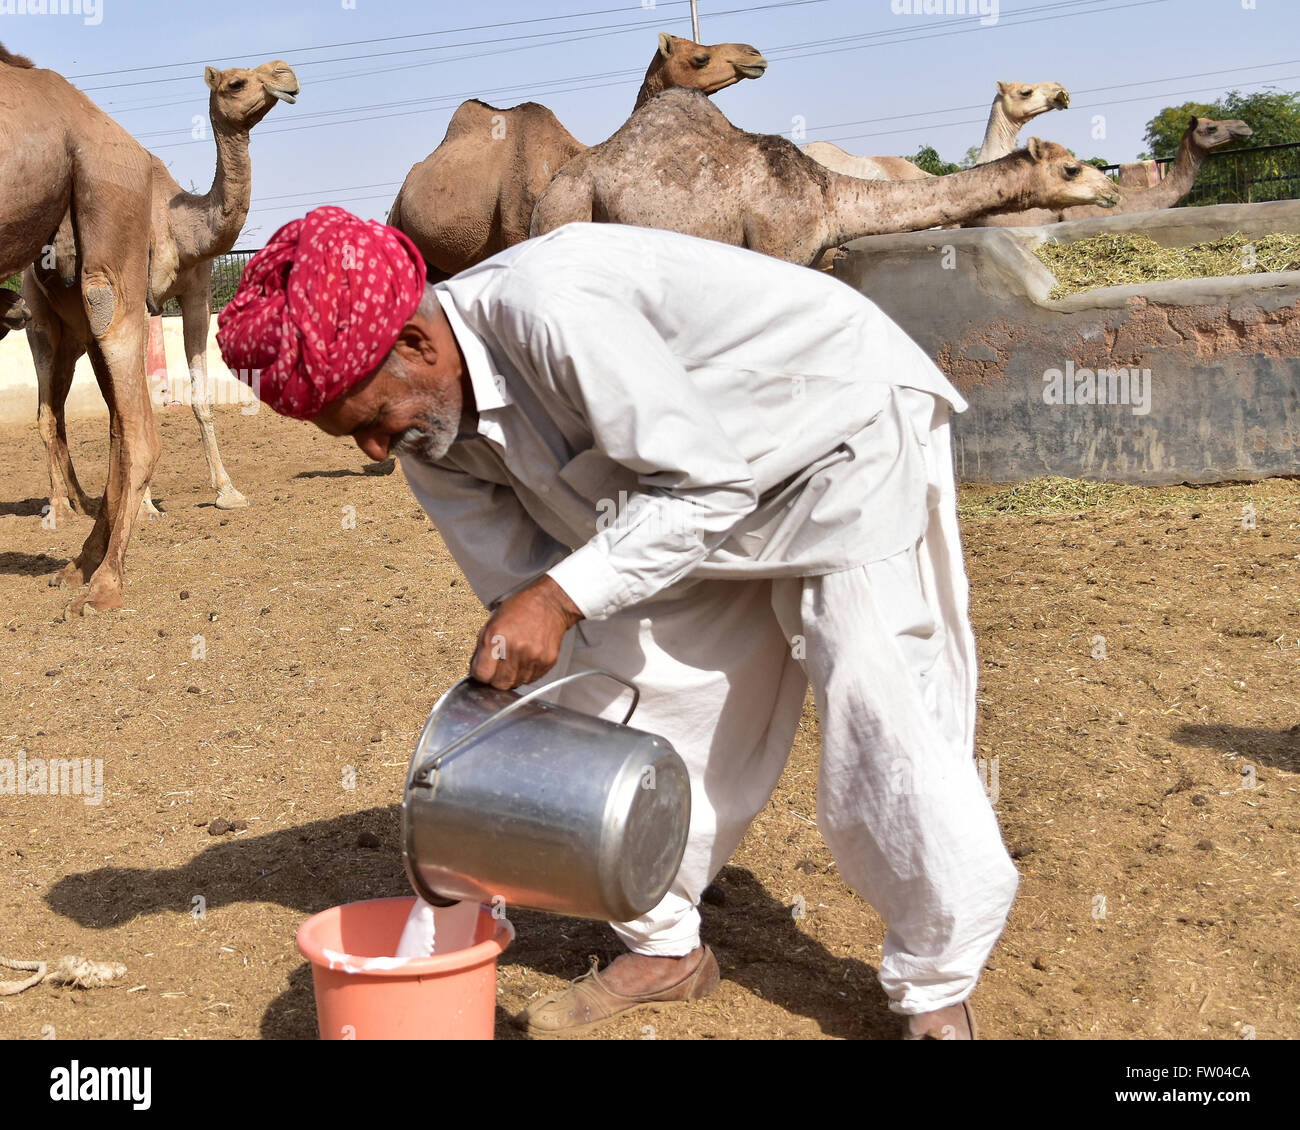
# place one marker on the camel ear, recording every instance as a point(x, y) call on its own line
point(1194, 122)
point(665, 44)
point(1003, 87)
point(212, 77)
point(1037, 148)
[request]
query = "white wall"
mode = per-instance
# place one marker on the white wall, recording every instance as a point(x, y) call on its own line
point(18, 397)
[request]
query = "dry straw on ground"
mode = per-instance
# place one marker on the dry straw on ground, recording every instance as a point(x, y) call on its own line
point(1127, 260)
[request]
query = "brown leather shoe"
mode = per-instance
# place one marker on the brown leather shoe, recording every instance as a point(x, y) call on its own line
point(907, 1033)
point(588, 1003)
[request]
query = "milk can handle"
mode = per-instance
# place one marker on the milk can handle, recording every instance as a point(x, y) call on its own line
point(425, 771)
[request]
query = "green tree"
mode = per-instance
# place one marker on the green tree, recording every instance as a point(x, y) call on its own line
point(927, 158)
point(1274, 115)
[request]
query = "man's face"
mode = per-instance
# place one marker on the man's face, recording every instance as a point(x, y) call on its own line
point(413, 404)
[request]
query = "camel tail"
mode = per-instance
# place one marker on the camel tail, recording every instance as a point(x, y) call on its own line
point(568, 199)
point(13, 60)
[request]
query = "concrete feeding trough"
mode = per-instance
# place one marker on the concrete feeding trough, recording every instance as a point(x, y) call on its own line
point(1189, 381)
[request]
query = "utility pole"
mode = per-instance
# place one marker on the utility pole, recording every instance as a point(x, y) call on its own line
point(695, 19)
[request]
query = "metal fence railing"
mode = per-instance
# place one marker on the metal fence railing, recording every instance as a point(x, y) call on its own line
point(226, 272)
point(1241, 176)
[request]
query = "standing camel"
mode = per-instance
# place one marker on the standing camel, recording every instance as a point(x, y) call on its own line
point(474, 195)
point(1202, 135)
point(1014, 104)
point(189, 231)
point(678, 164)
point(60, 152)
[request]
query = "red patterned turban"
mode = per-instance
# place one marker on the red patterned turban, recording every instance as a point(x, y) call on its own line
point(319, 308)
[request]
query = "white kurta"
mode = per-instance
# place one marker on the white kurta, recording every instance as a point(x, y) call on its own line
point(739, 470)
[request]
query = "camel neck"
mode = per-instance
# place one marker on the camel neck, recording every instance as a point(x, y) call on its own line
point(1178, 178)
point(225, 207)
point(1000, 136)
point(655, 81)
point(862, 207)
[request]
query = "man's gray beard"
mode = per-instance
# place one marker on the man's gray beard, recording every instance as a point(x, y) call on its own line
point(429, 443)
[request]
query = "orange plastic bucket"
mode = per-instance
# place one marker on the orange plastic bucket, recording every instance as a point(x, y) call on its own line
point(363, 993)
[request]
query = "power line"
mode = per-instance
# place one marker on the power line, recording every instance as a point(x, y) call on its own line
point(638, 25)
point(1087, 90)
point(1114, 102)
point(593, 86)
point(381, 39)
point(1006, 21)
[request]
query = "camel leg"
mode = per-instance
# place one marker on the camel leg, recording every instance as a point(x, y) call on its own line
point(196, 315)
point(110, 211)
point(118, 360)
point(55, 353)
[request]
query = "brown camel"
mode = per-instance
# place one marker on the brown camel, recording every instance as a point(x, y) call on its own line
point(60, 152)
point(474, 195)
point(1014, 104)
point(678, 164)
point(189, 231)
point(1201, 137)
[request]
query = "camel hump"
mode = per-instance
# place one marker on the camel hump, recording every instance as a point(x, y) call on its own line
point(13, 60)
point(474, 113)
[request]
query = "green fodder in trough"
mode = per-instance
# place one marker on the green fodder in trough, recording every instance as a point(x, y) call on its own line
point(1127, 260)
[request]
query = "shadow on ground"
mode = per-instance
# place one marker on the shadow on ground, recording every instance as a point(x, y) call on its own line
point(317, 865)
point(1279, 749)
point(30, 564)
point(27, 508)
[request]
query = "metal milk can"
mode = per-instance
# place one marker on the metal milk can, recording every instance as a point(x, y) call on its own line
point(512, 798)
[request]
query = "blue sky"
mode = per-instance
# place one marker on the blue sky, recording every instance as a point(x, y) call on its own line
point(874, 80)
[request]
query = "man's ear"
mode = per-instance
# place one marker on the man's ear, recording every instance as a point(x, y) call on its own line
point(414, 345)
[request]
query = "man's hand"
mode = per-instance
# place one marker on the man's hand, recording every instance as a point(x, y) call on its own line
point(521, 640)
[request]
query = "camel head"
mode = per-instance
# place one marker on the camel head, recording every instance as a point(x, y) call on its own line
point(15, 314)
point(1206, 134)
point(708, 69)
point(241, 97)
point(1022, 101)
point(1061, 180)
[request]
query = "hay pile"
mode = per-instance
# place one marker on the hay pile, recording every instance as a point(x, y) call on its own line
point(1054, 495)
point(1124, 260)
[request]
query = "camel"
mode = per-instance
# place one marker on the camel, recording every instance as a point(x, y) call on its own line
point(59, 152)
point(474, 195)
point(1014, 104)
point(188, 232)
point(1201, 136)
point(679, 164)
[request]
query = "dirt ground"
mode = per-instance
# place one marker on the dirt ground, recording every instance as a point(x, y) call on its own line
point(1139, 712)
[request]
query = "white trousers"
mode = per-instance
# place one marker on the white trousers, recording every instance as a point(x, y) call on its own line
point(890, 655)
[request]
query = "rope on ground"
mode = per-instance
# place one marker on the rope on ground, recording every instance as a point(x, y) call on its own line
point(77, 972)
